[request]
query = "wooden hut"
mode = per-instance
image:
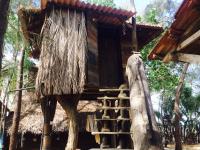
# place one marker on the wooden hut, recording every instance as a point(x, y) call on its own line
point(106, 27)
point(105, 38)
point(181, 41)
point(5, 122)
point(31, 125)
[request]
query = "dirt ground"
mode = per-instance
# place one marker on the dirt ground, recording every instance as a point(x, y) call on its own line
point(185, 147)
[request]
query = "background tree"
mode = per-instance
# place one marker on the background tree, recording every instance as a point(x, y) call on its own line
point(4, 6)
point(13, 48)
point(164, 11)
point(102, 2)
point(163, 78)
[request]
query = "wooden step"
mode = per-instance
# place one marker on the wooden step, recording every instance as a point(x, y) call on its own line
point(121, 119)
point(113, 98)
point(112, 108)
point(111, 133)
point(109, 149)
point(113, 90)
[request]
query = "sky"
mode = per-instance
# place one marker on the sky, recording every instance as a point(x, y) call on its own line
point(139, 4)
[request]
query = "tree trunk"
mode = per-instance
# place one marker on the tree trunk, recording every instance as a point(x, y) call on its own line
point(4, 6)
point(146, 135)
point(18, 100)
point(70, 107)
point(177, 134)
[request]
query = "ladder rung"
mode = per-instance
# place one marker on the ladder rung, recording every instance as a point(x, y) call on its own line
point(111, 133)
point(113, 98)
point(113, 108)
point(123, 119)
point(109, 149)
point(112, 90)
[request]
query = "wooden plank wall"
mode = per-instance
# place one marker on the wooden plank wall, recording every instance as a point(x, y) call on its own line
point(110, 58)
point(92, 55)
point(126, 46)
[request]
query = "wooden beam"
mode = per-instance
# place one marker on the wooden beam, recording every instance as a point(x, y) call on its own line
point(190, 58)
point(168, 58)
point(189, 40)
point(194, 25)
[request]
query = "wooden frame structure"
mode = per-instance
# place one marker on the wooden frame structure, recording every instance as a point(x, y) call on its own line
point(182, 41)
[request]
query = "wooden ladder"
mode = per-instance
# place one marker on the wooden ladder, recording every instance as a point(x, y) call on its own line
point(113, 120)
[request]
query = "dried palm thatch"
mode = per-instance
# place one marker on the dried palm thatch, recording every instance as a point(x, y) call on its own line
point(32, 117)
point(63, 54)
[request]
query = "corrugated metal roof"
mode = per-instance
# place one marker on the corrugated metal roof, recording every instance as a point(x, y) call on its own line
point(149, 26)
point(186, 16)
point(146, 33)
point(77, 4)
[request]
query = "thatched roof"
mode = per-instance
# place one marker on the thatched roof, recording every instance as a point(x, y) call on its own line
point(32, 119)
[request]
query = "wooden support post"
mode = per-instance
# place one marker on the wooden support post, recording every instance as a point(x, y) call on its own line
point(106, 125)
point(106, 103)
point(134, 36)
point(48, 105)
point(105, 141)
point(69, 104)
point(22, 141)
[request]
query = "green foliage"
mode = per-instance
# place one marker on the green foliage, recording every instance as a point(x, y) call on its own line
point(151, 17)
point(161, 76)
point(13, 36)
point(13, 44)
point(102, 2)
point(27, 62)
point(165, 77)
point(163, 10)
point(189, 104)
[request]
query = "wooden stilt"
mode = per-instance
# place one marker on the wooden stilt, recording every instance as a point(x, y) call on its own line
point(69, 104)
point(48, 105)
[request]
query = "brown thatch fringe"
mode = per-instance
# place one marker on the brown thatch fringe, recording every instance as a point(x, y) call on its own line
point(63, 54)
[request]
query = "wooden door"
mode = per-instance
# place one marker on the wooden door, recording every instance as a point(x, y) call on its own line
point(110, 60)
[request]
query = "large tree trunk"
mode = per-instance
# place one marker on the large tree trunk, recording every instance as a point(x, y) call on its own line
point(69, 104)
point(146, 135)
point(18, 100)
point(4, 6)
point(177, 134)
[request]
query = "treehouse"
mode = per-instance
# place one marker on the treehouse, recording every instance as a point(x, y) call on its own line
point(83, 50)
